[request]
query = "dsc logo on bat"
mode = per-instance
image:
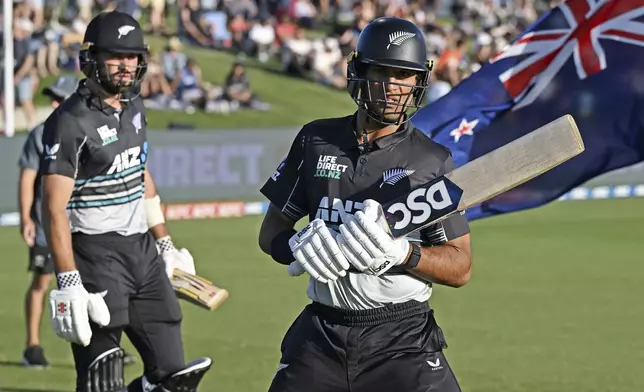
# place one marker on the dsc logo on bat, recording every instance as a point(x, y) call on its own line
point(422, 206)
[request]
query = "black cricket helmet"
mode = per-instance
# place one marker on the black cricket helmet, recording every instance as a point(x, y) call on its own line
point(112, 34)
point(388, 42)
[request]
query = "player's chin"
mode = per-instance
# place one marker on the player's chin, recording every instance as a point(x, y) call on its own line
point(393, 113)
point(122, 85)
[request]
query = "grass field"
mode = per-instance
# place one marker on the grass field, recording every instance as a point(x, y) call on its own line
point(554, 305)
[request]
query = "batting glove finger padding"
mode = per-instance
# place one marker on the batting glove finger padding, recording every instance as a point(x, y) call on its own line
point(329, 239)
point(304, 263)
point(363, 239)
point(351, 255)
point(323, 252)
point(352, 250)
point(367, 243)
point(315, 261)
point(316, 252)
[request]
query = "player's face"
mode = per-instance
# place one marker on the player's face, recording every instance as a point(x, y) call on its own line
point(390, 90)
point(122, 68)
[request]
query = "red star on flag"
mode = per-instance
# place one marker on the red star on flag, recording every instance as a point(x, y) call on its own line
point(464, 128)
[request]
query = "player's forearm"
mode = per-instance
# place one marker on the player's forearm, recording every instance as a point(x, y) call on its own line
point(26, 193)
point(60, 240)
point(444, 264)
point(153, 210)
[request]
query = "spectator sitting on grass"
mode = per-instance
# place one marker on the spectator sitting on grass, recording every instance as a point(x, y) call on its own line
point(173, 60)
point(155, 89)
point(237, 89)
point(189, 90)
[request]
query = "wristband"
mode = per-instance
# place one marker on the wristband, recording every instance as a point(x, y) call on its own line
point(68, 279)
point(414, 257)
point(280, 249)
point(165, 244)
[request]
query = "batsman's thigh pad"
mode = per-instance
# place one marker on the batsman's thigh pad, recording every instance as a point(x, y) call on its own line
point(105, 373)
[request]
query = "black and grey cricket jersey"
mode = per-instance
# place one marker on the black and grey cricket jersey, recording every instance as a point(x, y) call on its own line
point(326, 175)
point(104, 150)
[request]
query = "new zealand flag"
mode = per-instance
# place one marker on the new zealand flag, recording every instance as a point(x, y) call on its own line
point(584, 58)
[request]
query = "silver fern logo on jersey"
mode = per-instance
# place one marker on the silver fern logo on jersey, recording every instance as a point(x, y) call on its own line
point(399, 37)
point(392, 176)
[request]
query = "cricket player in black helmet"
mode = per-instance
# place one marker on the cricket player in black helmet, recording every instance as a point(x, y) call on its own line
point(369, 326)
point(103, 221)
point(389, 43)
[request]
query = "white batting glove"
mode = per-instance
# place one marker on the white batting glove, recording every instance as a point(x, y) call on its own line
point(316, 252)
point(175, 258)
point(366, 243)
point(72, 307)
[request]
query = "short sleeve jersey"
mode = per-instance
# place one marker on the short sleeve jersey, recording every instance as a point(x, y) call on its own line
point(326, 175)
point(30, 159)
point(104, 150)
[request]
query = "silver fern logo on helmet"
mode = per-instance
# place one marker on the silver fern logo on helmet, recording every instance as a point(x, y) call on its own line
point(125, 30)
point(399, 37)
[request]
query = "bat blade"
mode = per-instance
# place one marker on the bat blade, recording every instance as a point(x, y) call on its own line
point(485, 177)
point(518, 161)
point(197, 290)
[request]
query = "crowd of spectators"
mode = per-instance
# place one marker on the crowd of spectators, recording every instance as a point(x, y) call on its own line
point(303, 38)
point(311, 38)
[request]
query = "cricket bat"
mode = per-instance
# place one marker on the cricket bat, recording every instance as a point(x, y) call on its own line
point(485, 177)
point(197, 290)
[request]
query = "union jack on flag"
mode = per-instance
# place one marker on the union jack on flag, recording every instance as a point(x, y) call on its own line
point(584, 58)
point(549, 49)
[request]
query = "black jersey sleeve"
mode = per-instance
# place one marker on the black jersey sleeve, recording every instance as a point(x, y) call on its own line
point(453, 227)
point(63, 140)
point(286, 186)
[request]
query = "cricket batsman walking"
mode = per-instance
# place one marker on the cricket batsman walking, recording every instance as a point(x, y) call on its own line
point(104, 224)
point(30, 206)
point(369, 327)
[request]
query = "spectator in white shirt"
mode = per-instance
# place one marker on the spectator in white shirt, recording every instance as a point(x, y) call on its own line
point(262, 37)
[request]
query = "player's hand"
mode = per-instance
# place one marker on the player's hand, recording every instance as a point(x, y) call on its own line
point(316, 251)
point(366, 243)
point(175, 258)
point(72, 307)
point(28, 231)
point(180, 259)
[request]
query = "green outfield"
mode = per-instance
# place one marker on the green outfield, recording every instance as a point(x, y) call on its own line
point(554, 305)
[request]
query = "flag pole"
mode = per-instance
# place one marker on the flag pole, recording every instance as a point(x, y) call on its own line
point(9, 98)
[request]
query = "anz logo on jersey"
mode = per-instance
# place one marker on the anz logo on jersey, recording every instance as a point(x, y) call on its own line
point(333, 210)
point(130, 158)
